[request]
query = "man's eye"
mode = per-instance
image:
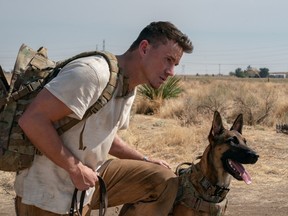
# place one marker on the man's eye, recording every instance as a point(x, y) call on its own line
point(171, 62)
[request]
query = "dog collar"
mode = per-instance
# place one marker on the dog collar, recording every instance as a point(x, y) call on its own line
point(214, 193)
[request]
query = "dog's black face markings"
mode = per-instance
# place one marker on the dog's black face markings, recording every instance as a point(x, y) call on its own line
point(238, 152)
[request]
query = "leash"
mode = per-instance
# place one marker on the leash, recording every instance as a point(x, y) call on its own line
point(103, 200)
point(103, 197)
point(74, 201)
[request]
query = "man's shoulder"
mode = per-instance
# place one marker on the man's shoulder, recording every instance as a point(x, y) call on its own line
point(88, 66)
point(95, 61)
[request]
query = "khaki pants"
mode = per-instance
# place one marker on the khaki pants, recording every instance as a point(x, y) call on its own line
point(145, 189)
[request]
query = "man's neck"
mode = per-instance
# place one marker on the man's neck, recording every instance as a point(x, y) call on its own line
point(129, 64)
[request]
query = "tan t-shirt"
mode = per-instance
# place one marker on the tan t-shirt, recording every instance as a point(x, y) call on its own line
point(78, 85)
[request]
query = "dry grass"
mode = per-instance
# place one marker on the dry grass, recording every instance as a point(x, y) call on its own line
point(262, 103)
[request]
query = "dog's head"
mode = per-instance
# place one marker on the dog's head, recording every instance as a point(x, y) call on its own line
point(232, 147)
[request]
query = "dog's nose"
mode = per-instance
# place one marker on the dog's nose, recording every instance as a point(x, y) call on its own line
point(253, 157)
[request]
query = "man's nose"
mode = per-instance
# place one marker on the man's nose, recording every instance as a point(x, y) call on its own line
point(170, 71)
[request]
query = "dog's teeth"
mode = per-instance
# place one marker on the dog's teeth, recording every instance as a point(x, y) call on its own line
point(232, 166)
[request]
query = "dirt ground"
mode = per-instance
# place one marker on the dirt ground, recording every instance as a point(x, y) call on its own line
point(267, 195)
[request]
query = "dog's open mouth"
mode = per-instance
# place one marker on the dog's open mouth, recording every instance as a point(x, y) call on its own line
point(238, 171)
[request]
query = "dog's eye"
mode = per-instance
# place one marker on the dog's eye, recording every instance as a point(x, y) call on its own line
point(233, 140)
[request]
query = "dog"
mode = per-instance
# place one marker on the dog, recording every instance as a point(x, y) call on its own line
point(203, 186)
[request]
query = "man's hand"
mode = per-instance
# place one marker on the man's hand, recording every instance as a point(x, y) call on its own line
point(122, 150)
point(83, 177)
point(157, 161)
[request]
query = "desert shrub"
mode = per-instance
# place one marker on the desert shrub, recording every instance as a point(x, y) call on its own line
point(215, 97)
point(170, 89)
point(146, 106)
point(281, 108)
point(246, 104)
point(281, 113)
point(187, 116)
point(256, 104)
point(154, 98)
point(182, 109)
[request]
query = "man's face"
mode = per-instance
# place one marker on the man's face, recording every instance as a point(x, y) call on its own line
point(159, 62)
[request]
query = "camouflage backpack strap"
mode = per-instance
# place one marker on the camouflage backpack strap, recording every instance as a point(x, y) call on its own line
point(4, 88)
point(106, 94)
point(29, 73)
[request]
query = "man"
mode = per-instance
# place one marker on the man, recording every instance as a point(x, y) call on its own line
point(146, 186)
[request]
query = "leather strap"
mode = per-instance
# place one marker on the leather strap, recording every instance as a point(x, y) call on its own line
point(74, 201)
point(103, 197)
point(103, 200)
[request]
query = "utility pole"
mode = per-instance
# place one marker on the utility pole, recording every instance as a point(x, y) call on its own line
point(219, 69)
point(183, 71)
point(103, 45)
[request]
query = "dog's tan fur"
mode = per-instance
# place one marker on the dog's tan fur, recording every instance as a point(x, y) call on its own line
point(211, 164)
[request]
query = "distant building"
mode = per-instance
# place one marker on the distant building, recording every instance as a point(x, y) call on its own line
point(252, 72)
point(278, 74)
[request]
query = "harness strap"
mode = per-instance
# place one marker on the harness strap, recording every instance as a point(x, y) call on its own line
point(209, 198)
point(22, 92)
point(199, 204)
point(215, 192)
point(103, 200)
point(193, 203)
point(106, 95)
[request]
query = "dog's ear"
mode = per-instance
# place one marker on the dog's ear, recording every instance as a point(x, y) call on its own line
point(238, 124)
point(217, 126)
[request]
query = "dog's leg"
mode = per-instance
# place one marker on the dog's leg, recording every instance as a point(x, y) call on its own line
point(181, 210)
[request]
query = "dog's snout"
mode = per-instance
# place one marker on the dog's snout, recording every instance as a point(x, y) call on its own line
point(253, 157)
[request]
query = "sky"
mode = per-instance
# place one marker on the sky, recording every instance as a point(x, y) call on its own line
point(226, 34)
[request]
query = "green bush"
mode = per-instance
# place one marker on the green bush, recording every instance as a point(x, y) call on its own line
point(170, 89)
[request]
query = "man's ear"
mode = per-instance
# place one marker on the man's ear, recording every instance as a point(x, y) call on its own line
point(143, 47)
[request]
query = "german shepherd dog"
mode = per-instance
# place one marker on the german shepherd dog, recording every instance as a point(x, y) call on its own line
point(203, 186)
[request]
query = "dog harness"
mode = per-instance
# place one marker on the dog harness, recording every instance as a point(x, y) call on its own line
point(196, 192)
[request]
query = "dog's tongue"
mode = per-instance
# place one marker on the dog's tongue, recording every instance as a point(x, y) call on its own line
point(244, 174)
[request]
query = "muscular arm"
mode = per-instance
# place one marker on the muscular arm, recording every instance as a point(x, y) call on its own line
point(37, 123)
point(122, 150)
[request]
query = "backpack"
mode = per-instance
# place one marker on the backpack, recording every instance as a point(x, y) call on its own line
point(31, 72)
